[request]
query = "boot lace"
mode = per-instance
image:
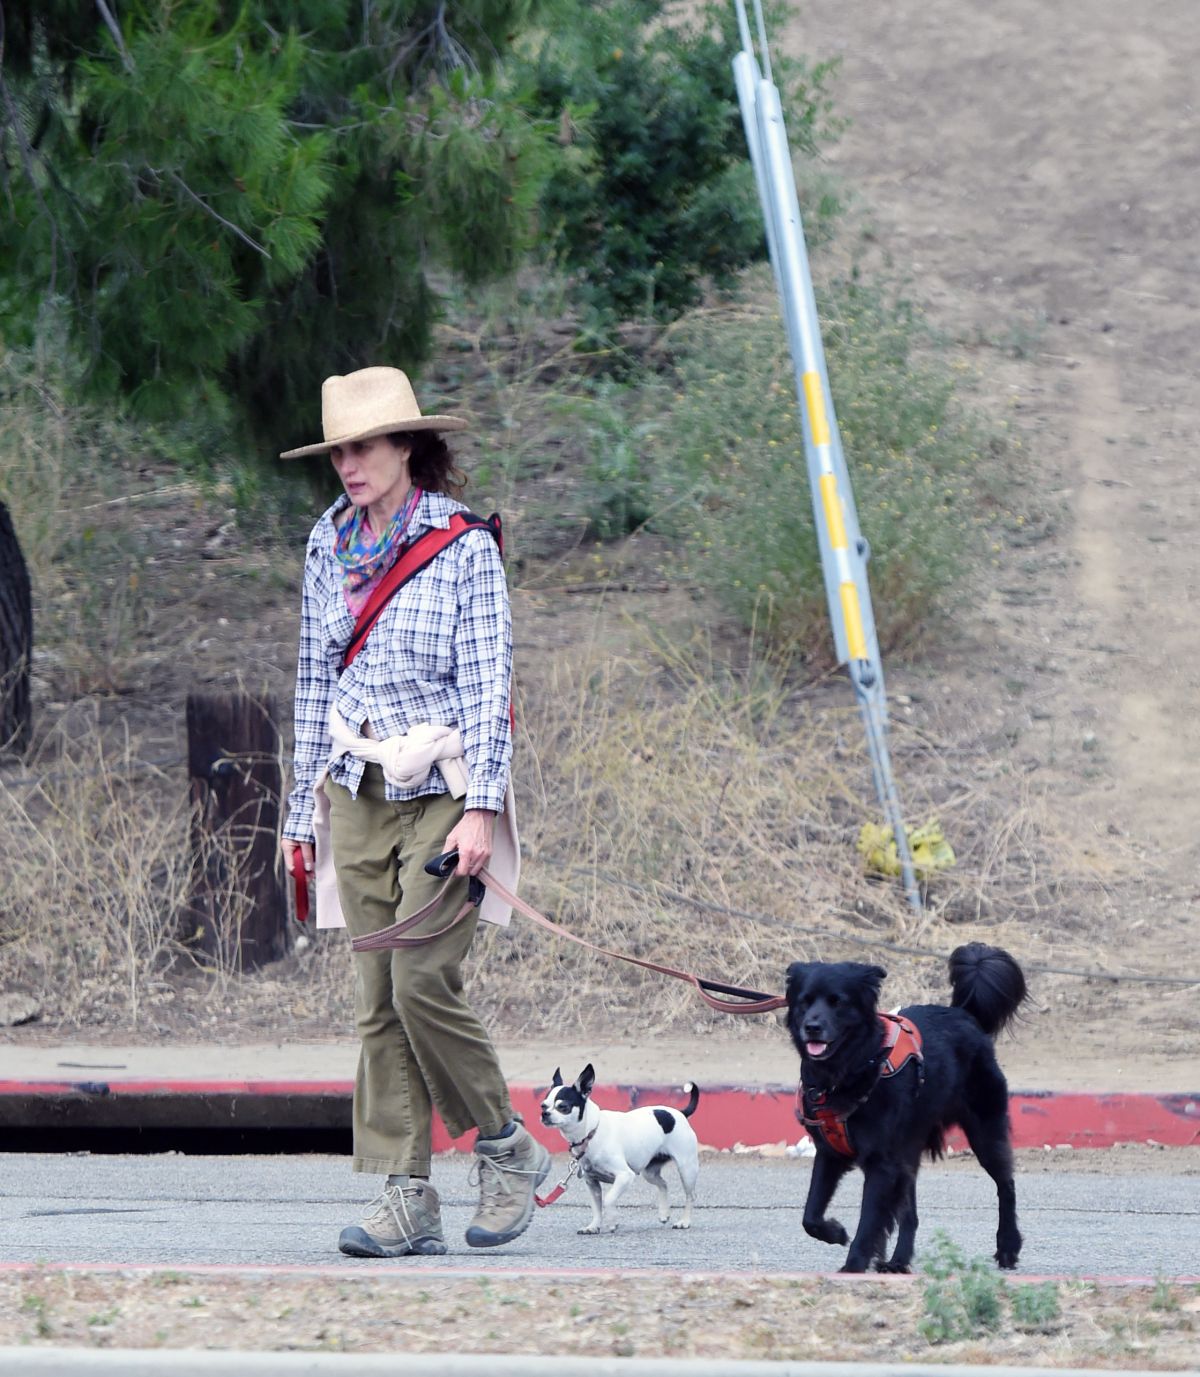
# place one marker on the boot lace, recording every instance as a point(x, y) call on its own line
point(489, 1175)
point(494, 1190)
point(387, 1200)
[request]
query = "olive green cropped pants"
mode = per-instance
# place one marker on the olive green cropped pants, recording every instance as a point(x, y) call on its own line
point(423, 1047)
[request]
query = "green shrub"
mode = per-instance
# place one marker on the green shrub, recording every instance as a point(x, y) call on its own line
point(922, 467)
point(658, 195)
point(1035, 1307)
point(961, 1298)
point(618, 482)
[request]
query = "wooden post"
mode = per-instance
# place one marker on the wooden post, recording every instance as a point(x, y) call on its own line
point(237, 912)
point(16, 640)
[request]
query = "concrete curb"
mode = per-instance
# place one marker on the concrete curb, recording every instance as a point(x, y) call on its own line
point(729, 1117)
point(67, 1362)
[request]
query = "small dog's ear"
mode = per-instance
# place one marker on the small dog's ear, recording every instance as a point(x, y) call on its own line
point(558, 1080)
point(587, 1079)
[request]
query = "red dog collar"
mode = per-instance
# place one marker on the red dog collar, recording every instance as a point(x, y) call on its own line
point(900, 1043)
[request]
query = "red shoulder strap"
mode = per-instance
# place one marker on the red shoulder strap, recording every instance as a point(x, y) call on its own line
point(418, 555)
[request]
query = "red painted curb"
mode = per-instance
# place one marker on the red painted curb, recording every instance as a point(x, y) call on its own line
point(728, 1116)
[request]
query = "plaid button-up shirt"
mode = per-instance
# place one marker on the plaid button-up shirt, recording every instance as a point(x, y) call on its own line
point(441, 652)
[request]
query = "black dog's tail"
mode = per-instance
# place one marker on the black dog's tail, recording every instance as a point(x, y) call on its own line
point(988, 984)
point(690, 1108)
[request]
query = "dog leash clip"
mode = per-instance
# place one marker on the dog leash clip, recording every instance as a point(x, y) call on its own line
point(557, 1192)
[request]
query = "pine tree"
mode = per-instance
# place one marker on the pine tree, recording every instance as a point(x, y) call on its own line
point(231, 201)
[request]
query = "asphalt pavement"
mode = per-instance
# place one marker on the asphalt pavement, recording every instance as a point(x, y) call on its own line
point(177, 1211)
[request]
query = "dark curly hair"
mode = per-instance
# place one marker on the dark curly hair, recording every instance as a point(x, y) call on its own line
point(431, 464)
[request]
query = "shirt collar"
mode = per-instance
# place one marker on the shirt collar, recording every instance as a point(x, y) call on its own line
point(434, 509)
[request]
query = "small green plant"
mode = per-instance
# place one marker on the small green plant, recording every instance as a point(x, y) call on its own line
point(618, 494)
point(1164, 1297)
point(39, 1308)
point(1035, 1307)
point(962, 1298)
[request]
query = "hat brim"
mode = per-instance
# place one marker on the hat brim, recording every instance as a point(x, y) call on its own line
point(399, 428)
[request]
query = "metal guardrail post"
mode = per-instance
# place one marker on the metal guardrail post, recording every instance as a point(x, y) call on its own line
point(844, 552)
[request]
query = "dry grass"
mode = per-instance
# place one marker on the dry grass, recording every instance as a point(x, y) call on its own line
point(96, 865)
point(735, 1317)
point(672, 806)
point(707, 817)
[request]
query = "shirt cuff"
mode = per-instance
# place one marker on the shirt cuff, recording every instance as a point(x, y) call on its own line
point(487, 794)
point(299, 827)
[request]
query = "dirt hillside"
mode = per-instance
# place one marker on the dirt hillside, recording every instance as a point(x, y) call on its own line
point(1032, 169)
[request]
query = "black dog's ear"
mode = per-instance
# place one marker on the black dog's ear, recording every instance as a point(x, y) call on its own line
point(870, 977)
point(587, 1079)
point(558, 1080)
point(796, 974)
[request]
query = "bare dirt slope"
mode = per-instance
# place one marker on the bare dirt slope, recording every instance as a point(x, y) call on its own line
point(1032, 169)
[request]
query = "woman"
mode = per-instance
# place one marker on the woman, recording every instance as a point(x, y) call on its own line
point(436, 665)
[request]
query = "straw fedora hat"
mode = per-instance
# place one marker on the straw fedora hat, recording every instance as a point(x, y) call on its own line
point(373, 401)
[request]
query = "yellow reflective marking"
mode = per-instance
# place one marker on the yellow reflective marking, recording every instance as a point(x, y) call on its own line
point(833, 511)
point(856, 641)
point(814, 396)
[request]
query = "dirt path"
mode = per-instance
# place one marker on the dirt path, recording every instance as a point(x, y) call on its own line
point(1033, 170)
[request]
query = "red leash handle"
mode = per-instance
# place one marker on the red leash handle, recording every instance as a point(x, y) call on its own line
point(301, 877)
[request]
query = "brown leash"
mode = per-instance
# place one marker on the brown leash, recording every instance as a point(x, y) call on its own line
point(400, 935)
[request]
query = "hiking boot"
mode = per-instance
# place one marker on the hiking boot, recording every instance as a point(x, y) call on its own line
point(400, 1221)
point(508, 1171)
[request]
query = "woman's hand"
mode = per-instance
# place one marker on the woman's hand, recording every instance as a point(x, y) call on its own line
point(472, 839)
point(288, 847)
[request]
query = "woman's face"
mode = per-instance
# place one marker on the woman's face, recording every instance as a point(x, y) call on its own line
point(374, 472)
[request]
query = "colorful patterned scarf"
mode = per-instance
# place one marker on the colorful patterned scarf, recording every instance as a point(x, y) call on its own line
point(365, 559)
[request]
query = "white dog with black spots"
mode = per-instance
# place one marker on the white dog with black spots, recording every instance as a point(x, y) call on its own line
point(612, 1148)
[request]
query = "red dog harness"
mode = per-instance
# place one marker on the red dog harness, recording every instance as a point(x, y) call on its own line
point(901, 1043)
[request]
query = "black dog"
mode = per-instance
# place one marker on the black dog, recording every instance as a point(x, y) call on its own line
point(877, 1091)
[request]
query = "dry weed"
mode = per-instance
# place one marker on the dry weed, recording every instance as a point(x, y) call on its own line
point(675, 808)
point(102, 856)
point(672, 806)
point(95, 865)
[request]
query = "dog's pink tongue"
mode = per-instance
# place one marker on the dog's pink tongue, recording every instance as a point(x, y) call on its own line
point(816, 1049)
